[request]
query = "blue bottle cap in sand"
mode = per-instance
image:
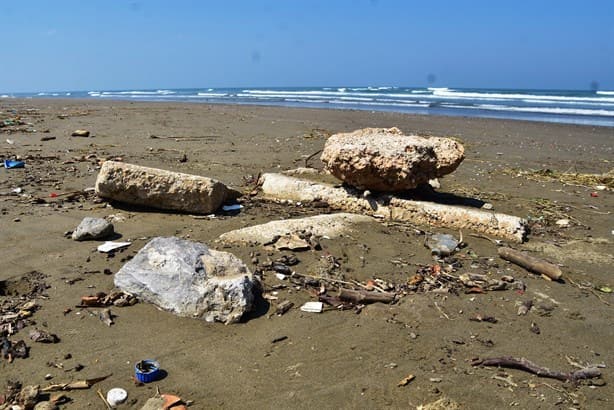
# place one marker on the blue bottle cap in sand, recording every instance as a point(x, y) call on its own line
point(147, 370)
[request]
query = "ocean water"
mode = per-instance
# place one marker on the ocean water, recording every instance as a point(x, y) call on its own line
point(561, 106)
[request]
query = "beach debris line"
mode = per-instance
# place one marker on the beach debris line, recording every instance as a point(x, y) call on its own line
point(386, 160)
point(161, 189)
point(526, 365)
point(75, 385)
point(385, 206)
point(115, 298)
point(531, 263)
point(162, 273)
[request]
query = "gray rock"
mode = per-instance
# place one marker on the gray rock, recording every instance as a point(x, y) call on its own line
point(189, 279)
point(93, 228)
point(386, 160)
point(157, 188)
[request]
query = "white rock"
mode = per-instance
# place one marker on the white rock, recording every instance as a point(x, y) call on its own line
point(189, 279)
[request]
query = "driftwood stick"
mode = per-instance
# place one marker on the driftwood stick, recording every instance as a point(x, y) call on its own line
point(310, 157)
point(531, 263)
point(528, 366)
point(362, 296)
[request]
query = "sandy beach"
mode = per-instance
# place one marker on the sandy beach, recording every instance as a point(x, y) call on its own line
point(336, 359)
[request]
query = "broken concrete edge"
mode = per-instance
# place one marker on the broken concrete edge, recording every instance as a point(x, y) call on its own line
point(386, 206)
point(162, 189)
point(329, 225)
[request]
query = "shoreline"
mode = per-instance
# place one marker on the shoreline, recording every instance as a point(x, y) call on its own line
point(334, 359)
point(503, 104)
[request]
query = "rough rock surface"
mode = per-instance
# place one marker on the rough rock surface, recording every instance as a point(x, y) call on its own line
point(189, 279)
point(386, 160)
point(157, 188)
point(332, 225)
point(93, 228)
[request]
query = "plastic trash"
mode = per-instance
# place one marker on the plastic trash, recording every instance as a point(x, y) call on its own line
point(234, 207)
point(111, 246)
point(147, 371)
point(10, 163)
point(313, 307)
point(116, 396)
point(442, 244)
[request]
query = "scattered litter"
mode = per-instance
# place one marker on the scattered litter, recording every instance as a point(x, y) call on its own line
point(10, 141)
point(600, 187)
point(280, 276)
point(283, 307)
point(147, 371)
point(80, 133)
point(594, 194)
point(442, 244)
point(312, 307)
point(76, 385)
point(110, 246)
point(10, 164)
point(488, 206)
point(234, 207)
point(604, 289)
point(563, 223)
point(116, 396)
point(406, 380)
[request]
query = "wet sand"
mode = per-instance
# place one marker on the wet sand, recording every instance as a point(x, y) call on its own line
point(334, 359)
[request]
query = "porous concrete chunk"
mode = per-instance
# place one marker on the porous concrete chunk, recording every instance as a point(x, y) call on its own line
point(332, 226)
point(157, 188)
point(386, 160)
point(93, 229)
point(387, 206)
point(189, 279)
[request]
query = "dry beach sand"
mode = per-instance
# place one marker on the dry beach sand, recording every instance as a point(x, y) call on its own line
point(337, 359)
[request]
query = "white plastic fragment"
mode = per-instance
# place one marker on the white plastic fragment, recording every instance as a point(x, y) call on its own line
point(116, 396)
point(312, 307)
point(234, 207)
point(280, 276)
point(111, 246)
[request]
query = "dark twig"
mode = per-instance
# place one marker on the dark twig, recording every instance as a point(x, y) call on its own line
point(310, 157)
point(528, 366)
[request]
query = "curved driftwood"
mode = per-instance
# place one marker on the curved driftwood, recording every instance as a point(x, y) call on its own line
point(504, 226)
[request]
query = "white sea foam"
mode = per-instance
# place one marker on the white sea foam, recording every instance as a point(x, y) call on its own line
point(5, 96)
point(138, 92)
point(324, 93)
point(408, 105)
point(342, 90)
point(211, 94)
point(438, 89)
point(502, 96)
point(543, 110)
point(605, 92)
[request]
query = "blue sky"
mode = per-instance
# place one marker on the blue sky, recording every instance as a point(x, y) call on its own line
point(113, 44)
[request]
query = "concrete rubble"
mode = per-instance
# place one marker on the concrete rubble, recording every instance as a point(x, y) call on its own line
point(157, 188)
point(386, 160)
